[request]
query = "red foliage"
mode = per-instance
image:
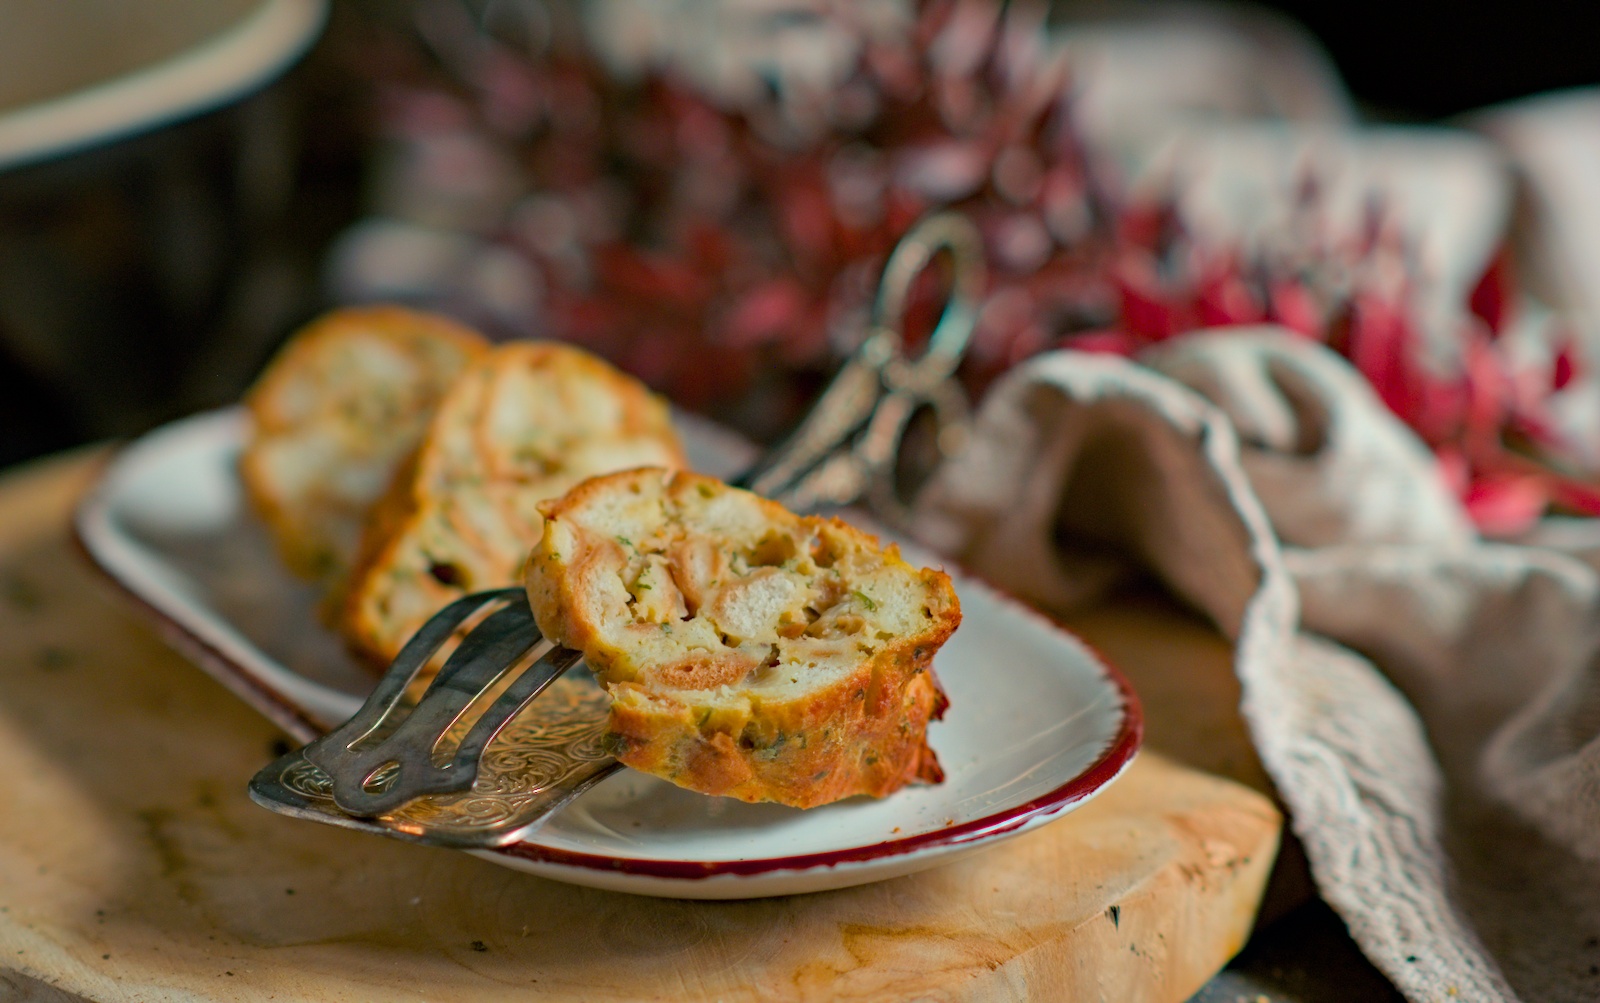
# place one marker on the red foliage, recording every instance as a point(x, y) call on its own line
point(722, 252)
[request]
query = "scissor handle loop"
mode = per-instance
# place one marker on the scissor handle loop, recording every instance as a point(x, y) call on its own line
point(955, 235)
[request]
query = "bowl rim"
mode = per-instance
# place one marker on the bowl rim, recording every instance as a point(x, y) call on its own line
point(214, 72)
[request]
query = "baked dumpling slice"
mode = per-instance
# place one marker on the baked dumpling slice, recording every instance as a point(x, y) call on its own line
point(524, 424)
point(748, 651)
point(335, 413)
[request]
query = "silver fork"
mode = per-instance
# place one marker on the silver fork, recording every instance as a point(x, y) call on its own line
point(477, 760)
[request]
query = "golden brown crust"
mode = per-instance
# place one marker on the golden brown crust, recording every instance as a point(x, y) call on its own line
point(332, 415)
point(858, 725)
point(522, 425)
point(831, 747)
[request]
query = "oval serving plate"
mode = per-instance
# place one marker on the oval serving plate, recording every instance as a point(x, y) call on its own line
point(1037, 723)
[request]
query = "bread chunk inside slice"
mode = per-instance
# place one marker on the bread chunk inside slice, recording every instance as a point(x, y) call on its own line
point(749, 652)
point(334, 415)
point(522, 425)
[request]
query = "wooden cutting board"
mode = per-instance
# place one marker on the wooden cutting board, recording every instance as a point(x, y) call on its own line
point(132, 866)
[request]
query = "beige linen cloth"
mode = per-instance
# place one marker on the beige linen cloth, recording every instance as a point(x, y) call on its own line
point(1428, 704)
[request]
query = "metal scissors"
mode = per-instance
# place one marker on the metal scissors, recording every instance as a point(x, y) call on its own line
point(848, 446)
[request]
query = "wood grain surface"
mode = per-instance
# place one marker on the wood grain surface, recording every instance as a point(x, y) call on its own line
point(133, 867)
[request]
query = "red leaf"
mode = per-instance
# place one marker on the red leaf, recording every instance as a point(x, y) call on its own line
point(1108, 342)
point(1580, 497)
point(1492, 296)
point(1226, 300)
point(1488, 392)
point(1506, 505)
point(765, 313)
point(1382, 345)
point(1146, 309)
point(1294, 306)
point(1568, 364)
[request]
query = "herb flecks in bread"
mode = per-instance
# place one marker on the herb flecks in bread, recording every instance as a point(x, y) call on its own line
point(749, 652)
point(522, 425)
point(335, 413)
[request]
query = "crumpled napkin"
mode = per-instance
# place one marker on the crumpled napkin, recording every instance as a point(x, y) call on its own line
point(1427, 704)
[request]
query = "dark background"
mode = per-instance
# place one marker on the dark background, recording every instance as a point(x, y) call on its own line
point(83, 236)
point(1412, 60)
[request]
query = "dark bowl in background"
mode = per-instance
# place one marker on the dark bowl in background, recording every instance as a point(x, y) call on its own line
point(160, 218)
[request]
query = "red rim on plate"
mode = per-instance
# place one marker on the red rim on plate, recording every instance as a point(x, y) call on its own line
point(287, 714)
point(1099, 773)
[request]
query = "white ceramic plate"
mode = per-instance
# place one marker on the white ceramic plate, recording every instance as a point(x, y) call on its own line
point(1037, 723)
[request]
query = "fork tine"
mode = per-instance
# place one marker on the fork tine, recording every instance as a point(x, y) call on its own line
point(376, 711)
point(518, 695)
point(353, 754)
point(411, 746)
point(493, 647)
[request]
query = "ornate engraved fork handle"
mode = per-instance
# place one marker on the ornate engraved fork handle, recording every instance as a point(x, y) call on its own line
point(547, 755)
